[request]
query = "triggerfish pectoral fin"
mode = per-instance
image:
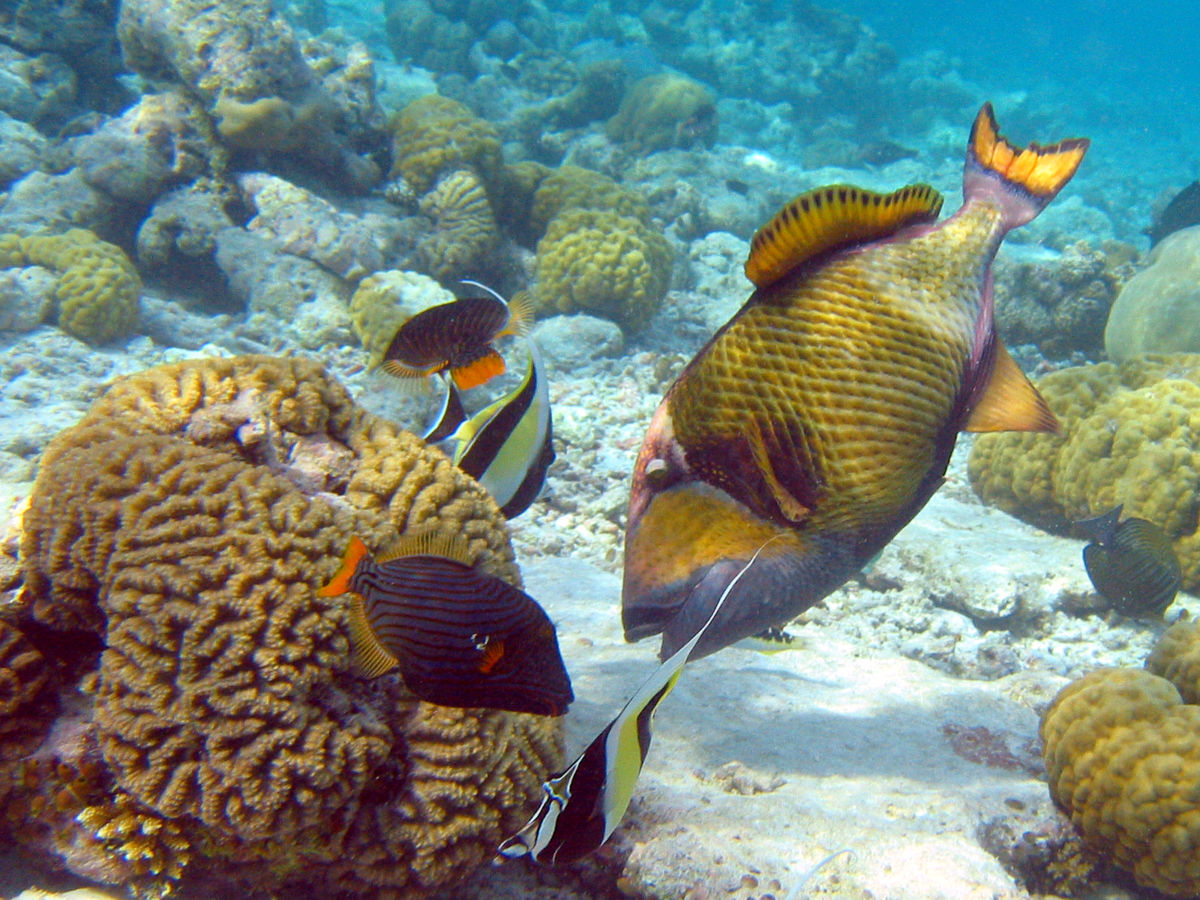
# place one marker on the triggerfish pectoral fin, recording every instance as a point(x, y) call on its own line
point(585, 804)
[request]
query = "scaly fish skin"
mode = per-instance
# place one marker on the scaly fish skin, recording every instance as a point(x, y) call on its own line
point(825, 413)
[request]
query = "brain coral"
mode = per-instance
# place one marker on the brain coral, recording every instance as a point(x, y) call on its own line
point(98, 290)
point(210, 727)
point(1130, 435)
point(602, 263)
point(434, 135)
point(663, 111)
point(1156, 311)
point(465, 234)
point(1122, 753)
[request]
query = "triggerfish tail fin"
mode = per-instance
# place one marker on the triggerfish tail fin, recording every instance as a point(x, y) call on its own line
point(830, 218)
point(478, 371)
point(1023, 180)
point(355, 553)
point(1009, 401)
point(585, 804)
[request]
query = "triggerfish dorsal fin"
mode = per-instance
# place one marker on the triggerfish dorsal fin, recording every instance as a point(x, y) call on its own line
point(355, 553)
point(1009, 401)
point(1042, 171)
point(429, 542)
point(831, 217)
point(370, 655)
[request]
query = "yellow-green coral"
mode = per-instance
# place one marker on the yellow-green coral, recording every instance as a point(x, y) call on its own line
point(464, 234)
point(98, 290)
point(602, 263)
point(434, 135)
point(385, 301)
point(1130, 435)
point(1122, 753)
point(663, 111)
point(573, 187)
point(222, 737)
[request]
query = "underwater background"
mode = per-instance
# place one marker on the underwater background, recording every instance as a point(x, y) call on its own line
point(216, 214)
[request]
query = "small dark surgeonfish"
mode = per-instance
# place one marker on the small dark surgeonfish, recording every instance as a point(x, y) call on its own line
point(1131, 563)
point(825, 411)
point(1182, 212)
point(457, 337)
point(459, 637)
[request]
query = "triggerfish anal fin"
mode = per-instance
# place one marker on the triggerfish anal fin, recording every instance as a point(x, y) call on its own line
point(1009, 401)
point(585, 804)
point(832, 217)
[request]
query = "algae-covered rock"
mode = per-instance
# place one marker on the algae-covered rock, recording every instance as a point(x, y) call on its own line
point(664, 111)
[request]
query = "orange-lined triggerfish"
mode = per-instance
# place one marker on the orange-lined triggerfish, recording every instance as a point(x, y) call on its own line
point(826, 409)
point(457, 337)
point(584, 804)
point(458, 636)
point(1131, 563)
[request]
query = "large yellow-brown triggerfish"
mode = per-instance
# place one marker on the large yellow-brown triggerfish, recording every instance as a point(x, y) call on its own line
point(826, 410)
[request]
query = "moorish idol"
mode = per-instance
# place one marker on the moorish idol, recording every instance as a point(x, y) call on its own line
point(584, 804)
point(459, 637)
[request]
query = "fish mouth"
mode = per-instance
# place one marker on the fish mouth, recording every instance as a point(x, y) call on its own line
point(681, 554)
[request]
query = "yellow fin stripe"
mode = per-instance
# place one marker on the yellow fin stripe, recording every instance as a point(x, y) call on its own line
point(430, 542)
point(371, 656)
point(1040, 170)
point(831, 217)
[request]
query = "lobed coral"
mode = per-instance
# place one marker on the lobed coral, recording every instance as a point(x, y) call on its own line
point(602, 263)
point(435, 135)
point(465, 236)
point(217, 733)
point(97, 295)
point(1122, 754)
point(1129, 436)
point(1156, 309)
point(573, 187)
point(664, 111)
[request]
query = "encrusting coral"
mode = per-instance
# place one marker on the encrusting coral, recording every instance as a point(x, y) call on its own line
point(1130, 434)
point(602, 263)
point(98, 290)
point(435, 135)
point(1122, 753)
point(663, 111)
point(213, 729)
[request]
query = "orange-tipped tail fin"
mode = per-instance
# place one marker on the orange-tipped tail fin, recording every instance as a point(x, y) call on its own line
point(1040, 170)
point(356, 552)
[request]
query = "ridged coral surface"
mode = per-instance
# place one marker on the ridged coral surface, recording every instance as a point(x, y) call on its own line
point(602, 263)
point(1130, 435)
point(220, 733)
point(1122, 753)
point(434, 135)
point(98, 290)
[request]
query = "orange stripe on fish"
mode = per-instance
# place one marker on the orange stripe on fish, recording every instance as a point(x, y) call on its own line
point(479, 371)
point(355, 553)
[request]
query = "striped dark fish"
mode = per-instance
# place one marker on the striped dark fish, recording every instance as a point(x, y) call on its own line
point(458, 636)
point(457, 337)
point(1131, 563)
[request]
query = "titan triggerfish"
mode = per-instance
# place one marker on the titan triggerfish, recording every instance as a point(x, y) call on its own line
point(825, 411)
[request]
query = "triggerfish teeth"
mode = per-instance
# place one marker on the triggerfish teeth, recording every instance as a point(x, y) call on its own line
point(458, 636)
point(826, 410)
point(585, 803)
point(457, 337)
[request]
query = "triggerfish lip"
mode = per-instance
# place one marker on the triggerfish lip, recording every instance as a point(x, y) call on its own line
point(681, 554)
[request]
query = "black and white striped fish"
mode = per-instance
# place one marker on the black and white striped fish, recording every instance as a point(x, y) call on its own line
point(459, 637)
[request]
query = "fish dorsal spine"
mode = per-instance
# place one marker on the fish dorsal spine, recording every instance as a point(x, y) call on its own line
point(834, 217)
